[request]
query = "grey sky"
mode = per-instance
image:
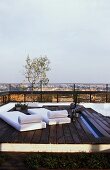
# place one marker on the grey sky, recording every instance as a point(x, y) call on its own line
point(74, 34)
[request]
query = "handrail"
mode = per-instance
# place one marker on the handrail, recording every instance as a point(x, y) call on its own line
point(55, 96)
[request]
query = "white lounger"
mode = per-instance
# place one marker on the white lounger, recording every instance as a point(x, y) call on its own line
point(43, 112)
point(13, 118)
point(7, 107)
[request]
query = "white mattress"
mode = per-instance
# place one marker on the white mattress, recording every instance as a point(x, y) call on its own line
point(12, 119)
point(34, 104)
point(43, 112)
point(57, 104)
point(57, 120)
point(7, 107)
point(57, 114)
point(37, 104)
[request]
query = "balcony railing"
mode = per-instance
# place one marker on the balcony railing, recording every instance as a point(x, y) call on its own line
point(67, 92)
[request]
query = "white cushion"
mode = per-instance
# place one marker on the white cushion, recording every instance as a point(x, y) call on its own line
point(29, 119)
point(43, 112)
point(12, 119)
point(57, 114)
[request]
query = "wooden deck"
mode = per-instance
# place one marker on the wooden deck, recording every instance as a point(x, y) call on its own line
point(74, 133)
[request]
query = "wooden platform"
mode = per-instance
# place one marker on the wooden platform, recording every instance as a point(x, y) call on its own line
point(66, 137)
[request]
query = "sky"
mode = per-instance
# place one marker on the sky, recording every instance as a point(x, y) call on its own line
point(73, 34)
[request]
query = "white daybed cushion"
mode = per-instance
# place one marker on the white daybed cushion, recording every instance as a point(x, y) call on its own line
point(12, 119)
point(39, 111)
point(43, 113)
point(29, 119)
point(34, 104)
point(57, 104)
point(57, 114)
point(57, 120)
point(7, 107)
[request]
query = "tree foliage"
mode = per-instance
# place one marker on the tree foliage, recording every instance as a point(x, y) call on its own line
point(36, 70)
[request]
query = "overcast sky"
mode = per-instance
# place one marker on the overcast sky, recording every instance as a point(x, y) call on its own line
point(74, 34)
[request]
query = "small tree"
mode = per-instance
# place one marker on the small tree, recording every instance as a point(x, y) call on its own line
point(35, 71)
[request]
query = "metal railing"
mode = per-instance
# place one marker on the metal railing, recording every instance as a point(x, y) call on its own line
point(55, 96)
point(55, 92)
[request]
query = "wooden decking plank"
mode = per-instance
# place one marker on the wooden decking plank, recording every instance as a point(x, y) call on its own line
point(3, 133)
point(19, 137)
point(2, 124)
point(88, 132)
point(29, 135)
point(99, 117)
point(106, 128)
point(92, 115)
point(52, 135)
point(36, 136)
point(108, 119)
point(8, 136)
point(60, 135)
point(104, 120)
point(23, 137)
point(45, 135)
point(104, 140)
point(74, 133)
point(3, 128)
point(83, 136)
point(96, 124)
point(14, 137)
point(100, 122)
point(67, 134)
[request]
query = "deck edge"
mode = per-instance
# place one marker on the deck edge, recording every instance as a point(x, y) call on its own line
point(56, 148)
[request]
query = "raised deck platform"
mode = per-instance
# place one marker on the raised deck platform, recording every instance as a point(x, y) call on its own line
point(73, 137)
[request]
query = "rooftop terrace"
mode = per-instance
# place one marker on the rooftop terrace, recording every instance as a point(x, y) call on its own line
point(72, 137)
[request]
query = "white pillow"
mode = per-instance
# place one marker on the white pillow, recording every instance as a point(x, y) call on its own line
point(57, 114)
point(29, 119)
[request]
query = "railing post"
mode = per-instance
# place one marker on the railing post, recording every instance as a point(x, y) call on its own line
point(75, 98)
point(106, 93)
point(90, 98)
point(74, 92)
point(74, 87)
point(24, 97)
point(3, 99)
point(9, 97)
point(41, 96)
point(57, 98)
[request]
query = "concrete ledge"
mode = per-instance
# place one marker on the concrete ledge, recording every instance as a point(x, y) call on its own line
point(57, 148)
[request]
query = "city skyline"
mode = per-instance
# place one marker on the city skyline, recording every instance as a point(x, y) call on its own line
point(73, 34)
